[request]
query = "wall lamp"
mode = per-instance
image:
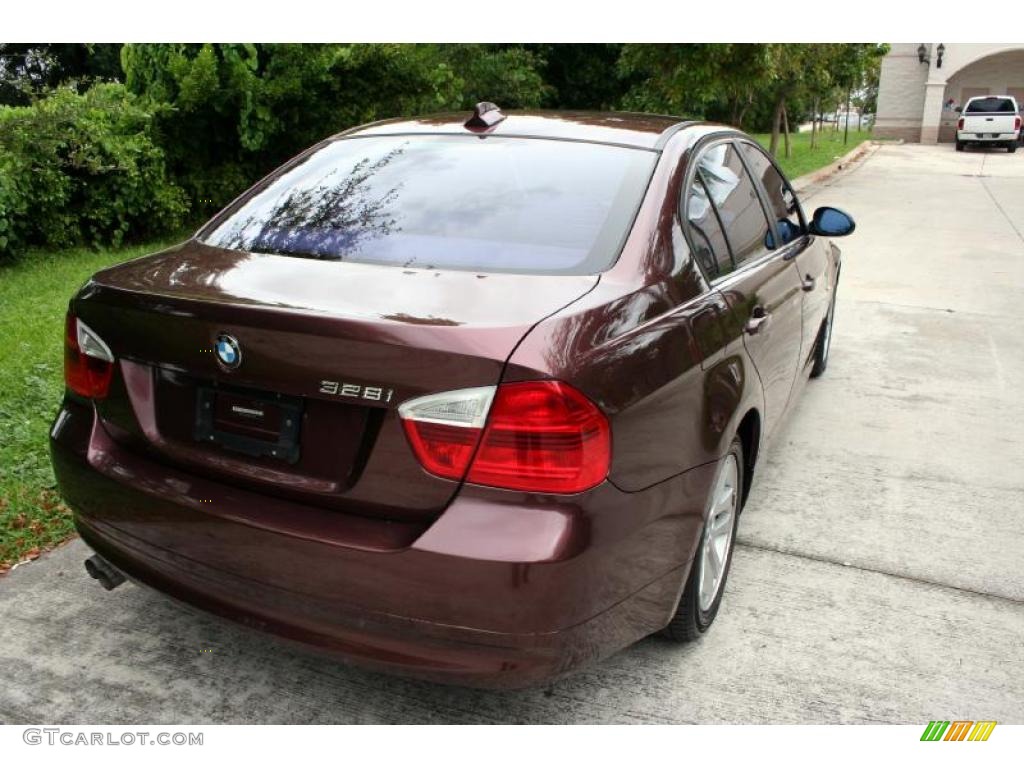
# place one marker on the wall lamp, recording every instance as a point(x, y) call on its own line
point(922, 54)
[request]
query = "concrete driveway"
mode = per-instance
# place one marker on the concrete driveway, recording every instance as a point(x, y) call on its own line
point(880, 571)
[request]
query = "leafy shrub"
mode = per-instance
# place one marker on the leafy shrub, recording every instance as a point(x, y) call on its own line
point(82, 168)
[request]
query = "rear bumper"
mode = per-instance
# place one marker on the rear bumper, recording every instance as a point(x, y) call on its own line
point(502, 590)
point(986, 138)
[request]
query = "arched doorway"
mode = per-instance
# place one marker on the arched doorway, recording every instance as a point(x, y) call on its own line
point(999, 73)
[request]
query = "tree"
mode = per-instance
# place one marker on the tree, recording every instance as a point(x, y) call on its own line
point(747, 85)
point(699, 79)
point(581, 75)
point(508, 75)
point(29, 70)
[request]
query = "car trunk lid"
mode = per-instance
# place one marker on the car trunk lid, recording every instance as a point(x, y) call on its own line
point(328, 351)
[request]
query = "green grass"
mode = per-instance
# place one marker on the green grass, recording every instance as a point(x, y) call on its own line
point(34, 295)
point(804, 159)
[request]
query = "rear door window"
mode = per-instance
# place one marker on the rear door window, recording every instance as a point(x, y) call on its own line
point(735, 198)
point(490, 203)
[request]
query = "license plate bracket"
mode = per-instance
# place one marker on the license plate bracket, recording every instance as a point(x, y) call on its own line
point(259, 424)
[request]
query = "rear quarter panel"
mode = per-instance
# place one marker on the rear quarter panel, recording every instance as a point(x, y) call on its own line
point(652, 345)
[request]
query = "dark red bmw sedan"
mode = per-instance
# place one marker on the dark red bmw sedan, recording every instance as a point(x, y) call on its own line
point(472, 399)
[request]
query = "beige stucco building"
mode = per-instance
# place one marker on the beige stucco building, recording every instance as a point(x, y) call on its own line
point(913, 95)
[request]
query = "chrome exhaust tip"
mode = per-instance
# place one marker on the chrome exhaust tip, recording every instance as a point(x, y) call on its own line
point(107, 575)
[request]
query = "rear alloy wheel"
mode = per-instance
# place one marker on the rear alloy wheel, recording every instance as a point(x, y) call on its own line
point(702, 594)
point(824, 343)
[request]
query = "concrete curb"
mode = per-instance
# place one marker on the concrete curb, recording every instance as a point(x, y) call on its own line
point(859, 153)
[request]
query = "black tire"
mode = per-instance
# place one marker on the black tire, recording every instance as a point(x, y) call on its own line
point(690, 621)
point(823, 344)
point(959, 146)
point(1011, 147)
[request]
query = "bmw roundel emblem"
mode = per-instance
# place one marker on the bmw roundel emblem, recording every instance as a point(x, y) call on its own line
point(228, 352)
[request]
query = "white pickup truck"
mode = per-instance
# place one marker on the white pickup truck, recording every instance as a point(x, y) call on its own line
point(989, 121)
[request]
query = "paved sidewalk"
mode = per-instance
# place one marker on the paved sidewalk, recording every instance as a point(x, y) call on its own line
point(880, 571)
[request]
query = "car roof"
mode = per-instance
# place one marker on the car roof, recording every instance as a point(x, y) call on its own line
point(632, 129)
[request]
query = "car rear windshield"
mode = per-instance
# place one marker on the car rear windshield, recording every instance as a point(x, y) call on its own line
point(491, 204)
point(990, 104)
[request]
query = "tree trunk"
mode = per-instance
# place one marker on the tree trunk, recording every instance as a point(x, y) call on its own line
point(743, 111)
point(785, 129)
point(846, 122)
point(773, 145)
point(814, 125)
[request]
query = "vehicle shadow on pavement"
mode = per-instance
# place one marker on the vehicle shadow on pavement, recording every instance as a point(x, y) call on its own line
point(210, 669)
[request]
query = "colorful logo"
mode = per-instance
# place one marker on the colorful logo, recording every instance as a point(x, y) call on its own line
point(228, 351)
point(958, 730)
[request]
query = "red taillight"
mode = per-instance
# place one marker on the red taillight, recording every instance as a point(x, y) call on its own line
point(1016, 123)
point(960, 124)
point(88, 363)
point(543, 436)
point(442, 449)
point(540, 436)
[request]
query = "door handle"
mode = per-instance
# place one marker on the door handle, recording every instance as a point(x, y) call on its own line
point(758, 320)
point(808, 283)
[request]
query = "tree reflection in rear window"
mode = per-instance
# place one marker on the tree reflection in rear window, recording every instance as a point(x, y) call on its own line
point(491, 204)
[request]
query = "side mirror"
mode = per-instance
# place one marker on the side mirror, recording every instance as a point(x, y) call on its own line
point(831, 222)
point(958, 109)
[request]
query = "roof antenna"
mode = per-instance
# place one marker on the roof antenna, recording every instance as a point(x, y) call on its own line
point(485, 115)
